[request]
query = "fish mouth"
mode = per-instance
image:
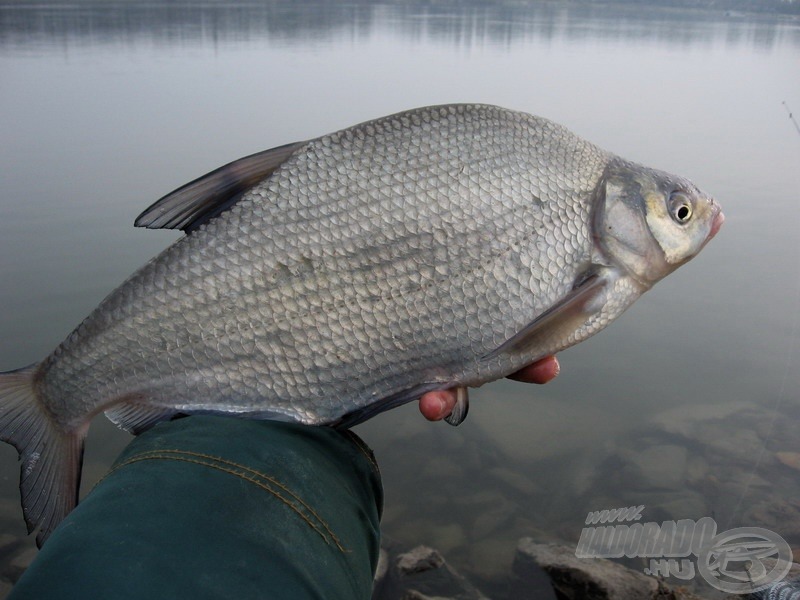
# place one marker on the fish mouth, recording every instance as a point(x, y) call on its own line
point(716, 225)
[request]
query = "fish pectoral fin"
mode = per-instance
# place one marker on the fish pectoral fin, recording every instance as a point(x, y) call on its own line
point(570, 312)
point(460, 410)
point(136, 418)
point(197, 202)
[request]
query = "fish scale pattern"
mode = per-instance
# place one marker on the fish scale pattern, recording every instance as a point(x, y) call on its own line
point(385, 256)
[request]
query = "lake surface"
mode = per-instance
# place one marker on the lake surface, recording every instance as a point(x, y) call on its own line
point(687, 405)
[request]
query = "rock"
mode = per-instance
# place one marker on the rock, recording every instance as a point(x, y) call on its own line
point(492, 518)
point(515, 480)
point(448, 537)
point(415, 595)
point(525, 431)
point(419, 560)
point(585, 468)
point(9, 508)
point(480, 497)
point(10, 544)
point(394, 512)
point(790, 459)
point(443, 467)
point(786, 589)
point(583, 579)
point(491, 559)
point(7, 540)
point(423, 574)
point(781, 515)
point(529, 580)
point(696, 469)
point(576, 578)
point(18, 564)
point(415, 531)
point(730, 442)
point(679, 420)
point(678, 504)
point(656, 467)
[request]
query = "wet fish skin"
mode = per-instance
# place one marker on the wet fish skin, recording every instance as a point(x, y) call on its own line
point(441, 247)
point(270, 286)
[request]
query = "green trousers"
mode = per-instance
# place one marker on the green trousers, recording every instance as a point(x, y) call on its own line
point(214, 507)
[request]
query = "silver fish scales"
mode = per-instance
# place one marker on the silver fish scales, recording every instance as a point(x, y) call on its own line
point(328, 280)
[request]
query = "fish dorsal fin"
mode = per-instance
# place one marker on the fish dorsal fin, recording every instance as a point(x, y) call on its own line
point(195, 203)
point(575, 306)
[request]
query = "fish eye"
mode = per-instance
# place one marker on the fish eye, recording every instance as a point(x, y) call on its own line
point(680, 207)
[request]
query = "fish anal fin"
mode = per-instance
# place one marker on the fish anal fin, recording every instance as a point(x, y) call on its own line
point(50, 457)
point(566, 315)
point(195, 203)
point(136, 417)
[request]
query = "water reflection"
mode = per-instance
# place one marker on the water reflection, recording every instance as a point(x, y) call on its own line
point(161, 93)
point(26, 28)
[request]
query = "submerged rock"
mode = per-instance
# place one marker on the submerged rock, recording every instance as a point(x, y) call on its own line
point(492, 518)
point(448, 536)
point(490, 559)
point(697, 470)
point(418, 560)
point(778, 514)
point(515, 480)
point(422, 574)
point(558, 428)
point(685, 422)
point(790, 459)
point(541, 571)
point(19, 564)
point(657, 467)
point(787, 589)
point(575, 578)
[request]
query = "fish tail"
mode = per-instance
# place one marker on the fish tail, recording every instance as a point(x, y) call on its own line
point(50, 457)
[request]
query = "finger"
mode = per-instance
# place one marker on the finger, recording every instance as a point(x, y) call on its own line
point(435, 406)
point(541, 371)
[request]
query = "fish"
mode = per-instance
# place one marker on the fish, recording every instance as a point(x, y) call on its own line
point(328, 280)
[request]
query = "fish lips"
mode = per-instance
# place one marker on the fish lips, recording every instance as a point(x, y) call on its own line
point(716, 225)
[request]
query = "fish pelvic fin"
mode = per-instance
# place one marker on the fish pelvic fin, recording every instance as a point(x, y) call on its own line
point(50, 457)
point(461, 408)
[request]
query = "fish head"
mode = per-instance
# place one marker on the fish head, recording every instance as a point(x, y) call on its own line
point(649, 222)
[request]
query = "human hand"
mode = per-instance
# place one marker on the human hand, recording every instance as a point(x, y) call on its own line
point(435, 406)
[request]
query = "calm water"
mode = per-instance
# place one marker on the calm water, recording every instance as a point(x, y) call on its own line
point(683, 405)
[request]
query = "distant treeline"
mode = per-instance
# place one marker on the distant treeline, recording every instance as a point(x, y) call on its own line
point(732, 6)
point(791, 7)
point(760, 6)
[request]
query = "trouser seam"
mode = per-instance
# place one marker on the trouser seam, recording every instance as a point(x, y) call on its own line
point(261, 480)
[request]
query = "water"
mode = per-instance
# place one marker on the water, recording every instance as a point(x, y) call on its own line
point(681, 406)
